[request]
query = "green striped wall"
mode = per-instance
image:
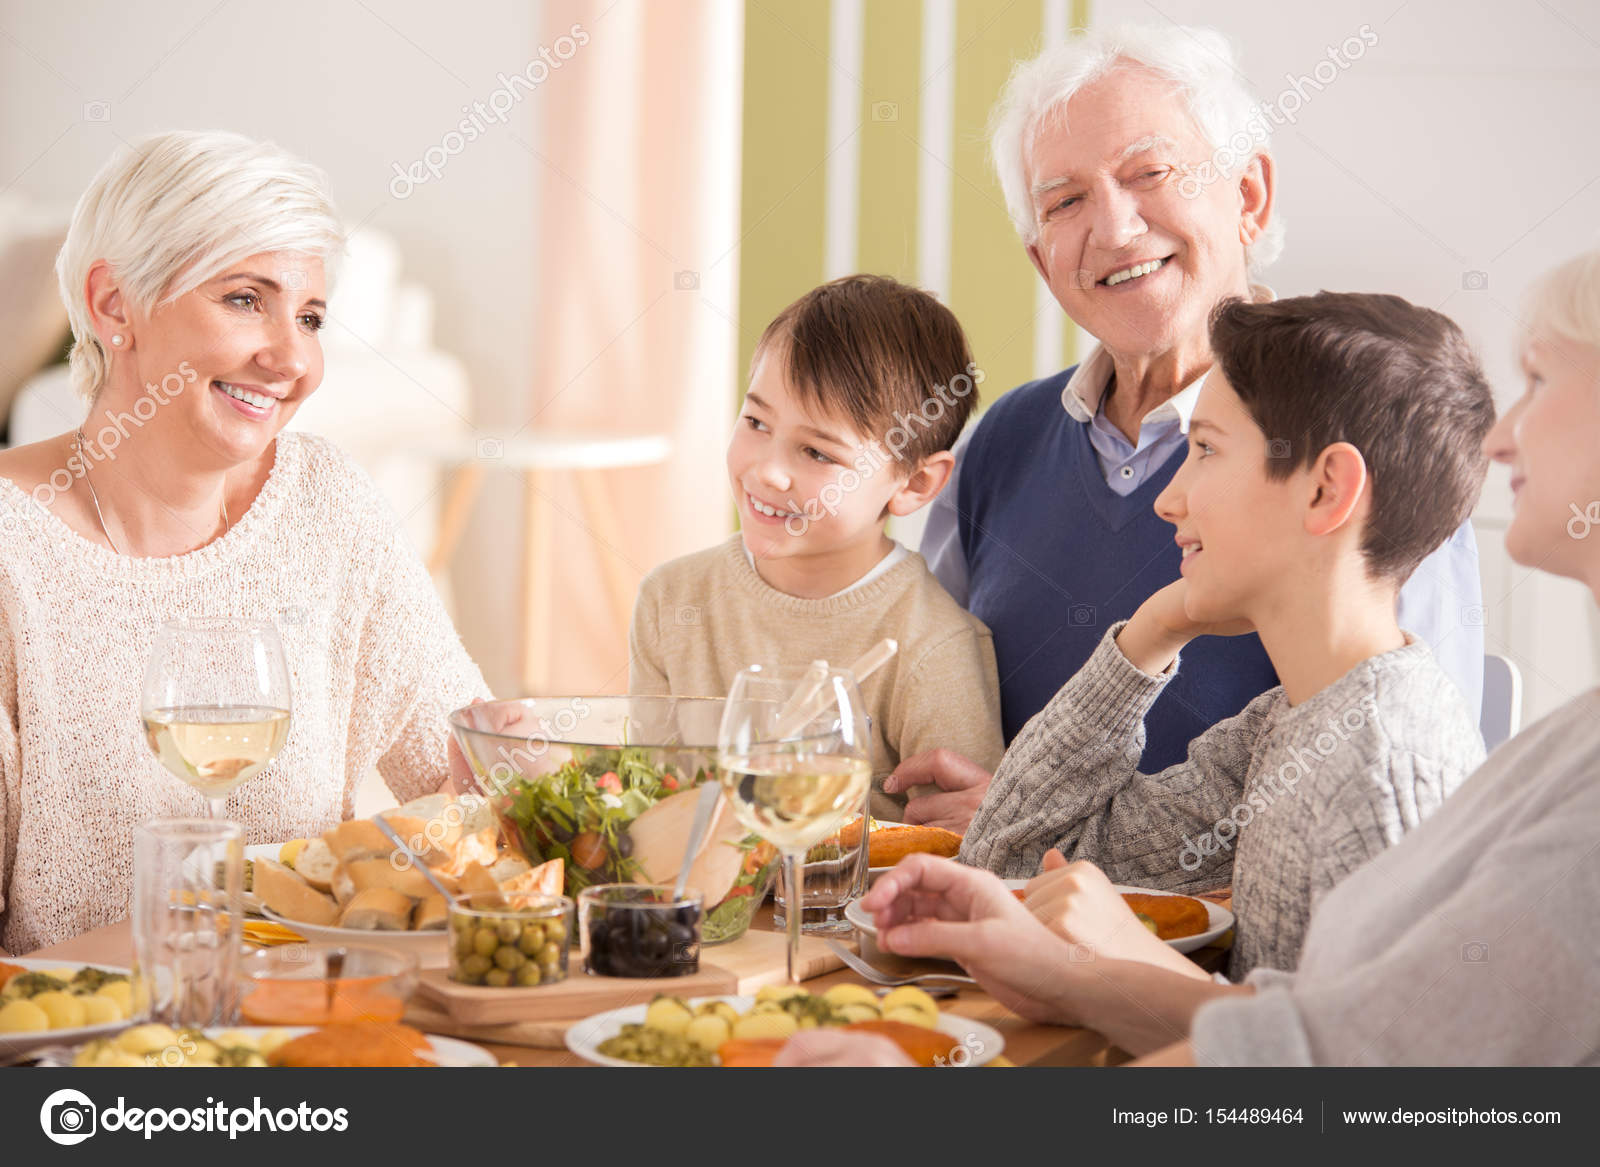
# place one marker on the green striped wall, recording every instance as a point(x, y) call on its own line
point(992, 285)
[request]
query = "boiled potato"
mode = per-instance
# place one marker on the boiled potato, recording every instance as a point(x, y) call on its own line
point(718, 1009)
point(668, 1015)
point(909, 996)
point(708, 1031)
point(779, 993)
point(912, 1017)
point(98, 1010)
point(776, 1024)
point(842, 995)
point(147, 1039)
point(23, 1017)
point(64, 1010)
point(120, 994)
point(860, 1011)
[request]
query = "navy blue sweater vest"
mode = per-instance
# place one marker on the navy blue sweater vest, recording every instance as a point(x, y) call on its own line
point(1054, 557)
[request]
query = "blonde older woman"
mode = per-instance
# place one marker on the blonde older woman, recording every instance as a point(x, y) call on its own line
point(1469, 942)
point(195, 275)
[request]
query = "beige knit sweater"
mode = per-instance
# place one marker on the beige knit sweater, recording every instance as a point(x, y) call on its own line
point(700, 619)
point(374, 663)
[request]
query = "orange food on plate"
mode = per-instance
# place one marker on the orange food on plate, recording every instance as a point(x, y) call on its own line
point(7, 971)
point(745, 1053)
point(890, 844)
point(305, 1002)
point(1175, 916)
point(362, 1043)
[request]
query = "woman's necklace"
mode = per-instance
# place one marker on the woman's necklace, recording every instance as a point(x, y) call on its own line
point(95, 498)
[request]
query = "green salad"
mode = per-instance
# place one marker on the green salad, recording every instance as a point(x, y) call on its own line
point(581, 813)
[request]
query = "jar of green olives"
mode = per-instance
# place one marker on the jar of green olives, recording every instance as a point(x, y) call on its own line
point(509, 940)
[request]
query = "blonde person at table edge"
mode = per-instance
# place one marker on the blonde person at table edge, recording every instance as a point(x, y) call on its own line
point(1469, 942)
point(857, 391)
point(195, 275)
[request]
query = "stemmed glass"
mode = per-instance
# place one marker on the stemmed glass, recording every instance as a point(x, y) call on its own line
point(216, 702)
point(795, 760)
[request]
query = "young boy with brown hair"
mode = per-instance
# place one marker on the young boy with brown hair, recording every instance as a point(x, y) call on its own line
point(857, 392)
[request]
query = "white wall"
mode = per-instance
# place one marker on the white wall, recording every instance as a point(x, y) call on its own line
point(1461, 141)
point(353, 87)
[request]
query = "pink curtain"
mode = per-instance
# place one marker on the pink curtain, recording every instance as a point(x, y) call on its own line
point(636, 270)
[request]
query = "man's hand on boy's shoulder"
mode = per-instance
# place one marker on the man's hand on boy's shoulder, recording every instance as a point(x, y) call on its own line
point(961, 784)
point(1157, 632)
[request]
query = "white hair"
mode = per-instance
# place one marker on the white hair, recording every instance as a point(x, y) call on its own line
point(1565, 302)
point(177, 209)
point(1198, 61)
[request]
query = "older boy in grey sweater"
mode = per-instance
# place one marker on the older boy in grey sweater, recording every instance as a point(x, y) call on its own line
point(1333, 447)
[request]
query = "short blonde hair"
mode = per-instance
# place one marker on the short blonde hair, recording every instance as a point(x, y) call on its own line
point(1566, 303)
point(175, 210)
point(1198, 61)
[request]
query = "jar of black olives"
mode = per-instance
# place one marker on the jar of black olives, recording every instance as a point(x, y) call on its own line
point(510, 940)
point(639, 930)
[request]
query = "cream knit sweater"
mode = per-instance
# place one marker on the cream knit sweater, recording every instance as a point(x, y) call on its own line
point(374, 663)
point(700, 619)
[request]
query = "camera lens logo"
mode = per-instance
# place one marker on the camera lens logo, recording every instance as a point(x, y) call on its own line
point(68, 1117)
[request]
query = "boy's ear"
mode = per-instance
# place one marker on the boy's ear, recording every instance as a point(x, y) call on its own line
point(926, 481)
point(1339, 483)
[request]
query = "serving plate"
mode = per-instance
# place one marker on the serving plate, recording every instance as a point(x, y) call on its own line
point(17, 1043)
point(430, 947)
point(1220, 919)
point(981, 1042)
point(448, 1051)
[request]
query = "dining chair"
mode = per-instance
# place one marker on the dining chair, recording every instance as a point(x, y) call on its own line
point(1502, 700)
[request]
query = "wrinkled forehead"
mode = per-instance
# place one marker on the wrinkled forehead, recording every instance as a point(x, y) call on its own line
point(1126, 112)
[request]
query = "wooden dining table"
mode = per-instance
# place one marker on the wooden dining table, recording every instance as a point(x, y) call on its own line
point(1026, 1043)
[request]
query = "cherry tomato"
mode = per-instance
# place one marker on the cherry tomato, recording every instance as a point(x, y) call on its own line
point(609, 781)
point(669, 782)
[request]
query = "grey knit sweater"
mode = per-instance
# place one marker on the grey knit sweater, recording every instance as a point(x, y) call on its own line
point(1282, 801)
point(1471, 943)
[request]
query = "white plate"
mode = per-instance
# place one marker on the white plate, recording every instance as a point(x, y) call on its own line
point(1220, 919)
point(447, 1050)
point(430, 948)
point(16, 1043)
point(982, 1042)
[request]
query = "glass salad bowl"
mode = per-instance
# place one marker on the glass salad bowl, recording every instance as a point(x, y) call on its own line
point(608, 785)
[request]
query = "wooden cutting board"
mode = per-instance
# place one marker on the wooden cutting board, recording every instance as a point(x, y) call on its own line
point(741, 966)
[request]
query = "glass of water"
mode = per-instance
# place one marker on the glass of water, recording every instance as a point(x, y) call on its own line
point(188, 893)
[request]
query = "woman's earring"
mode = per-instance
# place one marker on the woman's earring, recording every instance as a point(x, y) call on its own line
point(116, 339)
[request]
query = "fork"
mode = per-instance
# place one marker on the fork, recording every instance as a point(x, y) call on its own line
point(879, 977)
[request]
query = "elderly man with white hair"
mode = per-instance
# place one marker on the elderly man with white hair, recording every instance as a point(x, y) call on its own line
point(195, 274)
point(1115, 151)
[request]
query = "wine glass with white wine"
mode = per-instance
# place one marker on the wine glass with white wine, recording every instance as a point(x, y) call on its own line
point(795, 759)
point(216, 702)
